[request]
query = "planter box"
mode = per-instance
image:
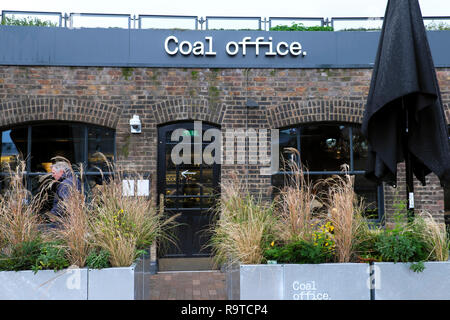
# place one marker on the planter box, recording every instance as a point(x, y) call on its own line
point(69, 284)
point(395, 281)
point(125, 283)
point(337, 281)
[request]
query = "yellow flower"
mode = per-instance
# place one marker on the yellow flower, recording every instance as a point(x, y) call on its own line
point(272, 243)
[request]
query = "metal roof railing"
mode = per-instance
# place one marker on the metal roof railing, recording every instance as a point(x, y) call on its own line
point(322, 21)
point(191, 22)
point(218, 18)
point(142, 17)
point(100, 15)
point(33, 13)
point(333, 20)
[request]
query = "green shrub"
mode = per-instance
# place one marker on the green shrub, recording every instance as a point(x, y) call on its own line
point(400, 248)
point(51, 256)
point(29, 21)
point(300, 27)
point(298, 252)
point(98, 259)
point(23, 256)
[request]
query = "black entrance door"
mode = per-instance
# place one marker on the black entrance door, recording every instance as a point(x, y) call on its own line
point(189, 189)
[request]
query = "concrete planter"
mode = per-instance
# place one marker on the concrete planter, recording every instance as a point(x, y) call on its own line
point(341, 281)
point(337, 281)
point(395, 281)
point(69, 284)
point(125, 283)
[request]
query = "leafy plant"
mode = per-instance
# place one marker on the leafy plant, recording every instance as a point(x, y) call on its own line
point(300, 27)
point(127, 72)
point(52, 256)
point(417, 266)
point(396, 248)
point(434, 26)
point(98, 259)
point(298, 252)
point(29, 21)
point(22, 256)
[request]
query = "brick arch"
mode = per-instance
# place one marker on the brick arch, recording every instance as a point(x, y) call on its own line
point(339, 110)
point(188, 109)
point(54, 108)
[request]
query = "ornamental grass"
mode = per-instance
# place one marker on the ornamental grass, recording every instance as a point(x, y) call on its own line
point(345, 214)
point(19, 219)
point(295, 204)
point(244, 225)
point(122, 224)
point(434, 235)
point(73, 224)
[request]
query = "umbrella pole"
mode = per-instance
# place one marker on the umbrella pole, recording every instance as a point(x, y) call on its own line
point(408, 170)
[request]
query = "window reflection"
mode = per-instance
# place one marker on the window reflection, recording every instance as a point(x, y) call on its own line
point(13, 147)
point(326, 147)
point(62, 140)
point(78, 143)
point(360, 149)
point(100, 140)
point(288, 139)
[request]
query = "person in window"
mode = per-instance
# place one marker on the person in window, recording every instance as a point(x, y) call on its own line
point(65, 179)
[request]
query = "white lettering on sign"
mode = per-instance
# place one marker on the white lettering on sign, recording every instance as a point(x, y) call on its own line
point(172, 46)
point(308, 291)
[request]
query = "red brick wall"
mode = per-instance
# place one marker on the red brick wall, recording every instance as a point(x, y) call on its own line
point(110, 96)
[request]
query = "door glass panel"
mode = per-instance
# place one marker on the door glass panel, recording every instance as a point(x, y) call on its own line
point(100, 140)
point(185, 186)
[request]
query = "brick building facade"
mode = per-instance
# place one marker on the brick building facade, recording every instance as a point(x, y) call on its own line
point(73, 92)
point(110, 96)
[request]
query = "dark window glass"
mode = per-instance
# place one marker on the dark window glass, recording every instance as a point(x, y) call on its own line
point(61, 140)
point(367, 190)
point(38, 144)
point(360, 150)
point(100, 140)
point(324, 147)
point(13, 147)
point(288, 139)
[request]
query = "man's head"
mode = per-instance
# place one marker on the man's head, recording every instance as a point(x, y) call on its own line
point(58, 169)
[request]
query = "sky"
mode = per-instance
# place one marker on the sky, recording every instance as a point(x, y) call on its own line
point(264, 8)
point(203, 8)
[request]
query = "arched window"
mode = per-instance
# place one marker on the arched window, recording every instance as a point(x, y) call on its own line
point(324, 148)
point(38, 143)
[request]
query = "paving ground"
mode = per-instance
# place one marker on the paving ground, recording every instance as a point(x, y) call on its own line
point(200, 285)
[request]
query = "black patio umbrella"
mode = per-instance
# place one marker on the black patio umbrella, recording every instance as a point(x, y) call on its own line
point(404, 119)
